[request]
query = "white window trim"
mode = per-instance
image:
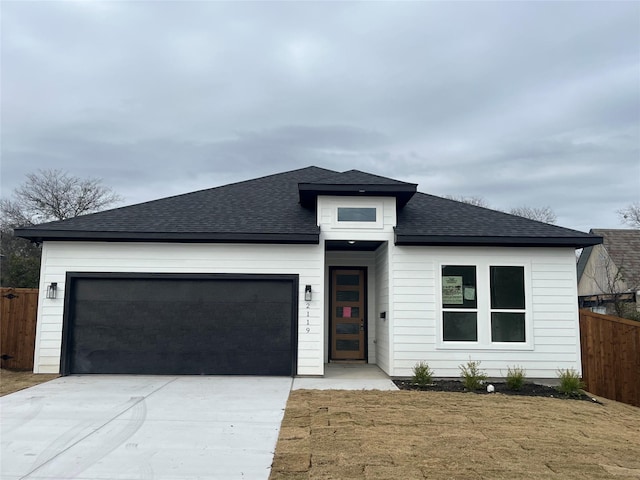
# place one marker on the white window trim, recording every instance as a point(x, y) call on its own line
point(378, 224)
point(483, 296)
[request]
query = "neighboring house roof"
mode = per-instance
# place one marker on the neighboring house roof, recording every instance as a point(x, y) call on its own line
point(623, 247)
point(281, 209)
point(583, 260)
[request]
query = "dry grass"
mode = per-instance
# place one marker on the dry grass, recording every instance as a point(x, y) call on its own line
point(432, 435)
point(13, 381)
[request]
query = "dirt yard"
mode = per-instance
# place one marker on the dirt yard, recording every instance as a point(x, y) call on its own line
point(13, 381)
point(433, 435)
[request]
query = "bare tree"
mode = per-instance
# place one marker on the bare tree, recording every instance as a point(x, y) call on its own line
point(477, 201)
point(55, 195)
point(630, 215)
point(45, 196)
point(541, 214)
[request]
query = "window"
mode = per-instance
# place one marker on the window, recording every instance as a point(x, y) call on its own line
point(484, 304)
point(507, 304)
point(459, 304)
point(356, 214)
point(351, 213)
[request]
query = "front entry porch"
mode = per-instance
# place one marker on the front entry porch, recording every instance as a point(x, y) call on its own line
point(356, 304)
point(339, 376)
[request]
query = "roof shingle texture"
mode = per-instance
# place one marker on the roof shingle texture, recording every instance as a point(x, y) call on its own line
point(270, 205)
point(264, 205)
point(623, 246)
point(429, 215)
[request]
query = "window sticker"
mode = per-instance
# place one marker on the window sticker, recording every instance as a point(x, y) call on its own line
point(469, 293)
point(452, 290)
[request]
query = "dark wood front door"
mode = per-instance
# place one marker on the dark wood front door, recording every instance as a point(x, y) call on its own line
point(348, 318)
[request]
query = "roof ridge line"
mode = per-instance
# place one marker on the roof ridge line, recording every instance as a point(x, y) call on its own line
point(338, 174)
point(378, 176)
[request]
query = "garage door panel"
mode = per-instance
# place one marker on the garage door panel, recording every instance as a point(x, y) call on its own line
point(190, 290)
point(193, 363)
point(172, 326)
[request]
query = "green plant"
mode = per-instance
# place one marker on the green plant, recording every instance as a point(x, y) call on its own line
point(422, 374)
point(515, 377)
point(632, 315)
point(472, 376)
point(570, 382)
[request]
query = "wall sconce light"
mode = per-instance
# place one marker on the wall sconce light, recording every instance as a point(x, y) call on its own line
point(52, 290)
point(307, 293)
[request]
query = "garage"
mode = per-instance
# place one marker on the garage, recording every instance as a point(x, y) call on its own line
point(166, 324)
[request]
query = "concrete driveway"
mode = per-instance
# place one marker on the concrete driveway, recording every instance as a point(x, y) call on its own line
point(143, 427)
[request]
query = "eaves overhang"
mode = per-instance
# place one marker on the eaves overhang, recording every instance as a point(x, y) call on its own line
point(309, 192)
point(495, 241)
point(38, 236)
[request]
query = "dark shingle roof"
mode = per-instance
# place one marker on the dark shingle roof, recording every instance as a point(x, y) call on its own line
point(431, 220)
point(261, 210)
point(267, 210)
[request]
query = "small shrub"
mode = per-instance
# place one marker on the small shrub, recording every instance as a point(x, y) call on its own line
point(422, 374)
point(472, 376)
point(570, 382)
point(633, 315)
point(515, 378)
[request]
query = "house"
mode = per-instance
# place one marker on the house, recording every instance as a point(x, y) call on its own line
point(282, 274)
point(609, 273)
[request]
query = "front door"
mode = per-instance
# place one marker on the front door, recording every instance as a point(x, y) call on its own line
point(348, 314)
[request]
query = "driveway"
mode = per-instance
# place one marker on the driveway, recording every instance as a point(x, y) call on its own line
point(143, 427)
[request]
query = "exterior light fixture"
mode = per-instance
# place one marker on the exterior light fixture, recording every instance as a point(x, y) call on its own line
point(351, 242)
point(52, 290)
point(307, 293)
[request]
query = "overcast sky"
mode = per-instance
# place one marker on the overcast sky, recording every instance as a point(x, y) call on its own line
point(532, 104)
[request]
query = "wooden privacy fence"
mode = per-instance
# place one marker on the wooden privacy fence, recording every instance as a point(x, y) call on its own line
point(18, 312)
point(610, 356)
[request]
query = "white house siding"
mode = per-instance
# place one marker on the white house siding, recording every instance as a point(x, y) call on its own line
point(58, 258)
point(551, 291)
point(382, 305)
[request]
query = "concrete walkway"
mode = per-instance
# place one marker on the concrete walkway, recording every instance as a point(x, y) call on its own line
point(138, 427)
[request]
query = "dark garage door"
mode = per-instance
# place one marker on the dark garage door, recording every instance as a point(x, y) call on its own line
point(167, 324)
